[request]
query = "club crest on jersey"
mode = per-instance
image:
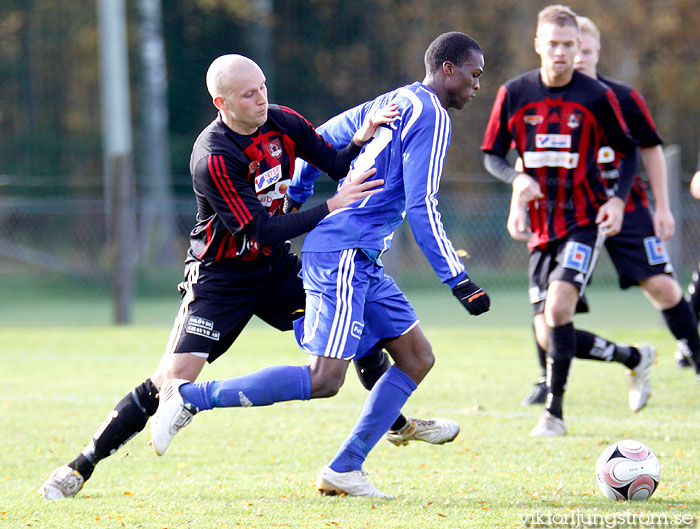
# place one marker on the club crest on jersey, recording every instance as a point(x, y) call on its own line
point(573, 122)
point(549, 141)
point(274, 148)
point(268, 178)
point(533, 119)
point(577, 256)
point(656, 251)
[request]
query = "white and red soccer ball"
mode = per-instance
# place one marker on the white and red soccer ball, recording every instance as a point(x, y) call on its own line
point(627, 470)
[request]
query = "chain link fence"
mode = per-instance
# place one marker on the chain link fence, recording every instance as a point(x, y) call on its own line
point(53, 240)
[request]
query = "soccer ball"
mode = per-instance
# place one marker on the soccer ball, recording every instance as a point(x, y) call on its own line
point(627, 470)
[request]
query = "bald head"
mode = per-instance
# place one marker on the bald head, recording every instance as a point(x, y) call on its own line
point(227, 70)
point(237, 88)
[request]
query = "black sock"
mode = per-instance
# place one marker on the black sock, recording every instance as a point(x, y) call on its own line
point(369, 369)
point(683, 324)
point(127, 419)
point(562, 347)
point(592, 347)
point(541, 357)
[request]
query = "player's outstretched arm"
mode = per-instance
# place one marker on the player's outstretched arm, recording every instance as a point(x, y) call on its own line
point(384, 115)
point(354, 190)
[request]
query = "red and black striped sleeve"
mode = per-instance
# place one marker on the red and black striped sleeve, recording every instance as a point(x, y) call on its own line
point(218, 179)
point(222, 182)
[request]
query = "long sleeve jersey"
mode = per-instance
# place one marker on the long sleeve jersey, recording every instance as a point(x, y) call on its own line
point(408, 155)
point(558, 133)
point(240, 182)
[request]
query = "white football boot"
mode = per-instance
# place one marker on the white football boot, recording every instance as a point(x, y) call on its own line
point(433, 431)
point(353, 483)
point(548, 426)
point(682, 354)
point(171, 417)
point(64, 482)
point(640, 386)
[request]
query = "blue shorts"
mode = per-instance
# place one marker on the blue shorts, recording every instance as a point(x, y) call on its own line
point(352, 307)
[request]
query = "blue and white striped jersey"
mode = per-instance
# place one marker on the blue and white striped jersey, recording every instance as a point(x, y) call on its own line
point(409, 156)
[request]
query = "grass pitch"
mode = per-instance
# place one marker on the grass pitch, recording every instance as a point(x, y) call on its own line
point(256, 467)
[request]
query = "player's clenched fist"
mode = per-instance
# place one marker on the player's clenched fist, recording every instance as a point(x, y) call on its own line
point(472, 296)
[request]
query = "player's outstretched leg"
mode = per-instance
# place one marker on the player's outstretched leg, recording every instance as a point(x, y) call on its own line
point(344, 473)
point(637, 358)
point(180, 399)
point(405, 429)
point(127, 418)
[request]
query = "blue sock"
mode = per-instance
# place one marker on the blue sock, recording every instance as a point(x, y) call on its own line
point(262, 388)
point(381, 408)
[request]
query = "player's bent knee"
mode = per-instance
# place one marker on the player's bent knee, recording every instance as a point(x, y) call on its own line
point(325, 387)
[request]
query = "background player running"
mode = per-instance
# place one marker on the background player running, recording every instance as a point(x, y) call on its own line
point(558, 118)
point(638, 251)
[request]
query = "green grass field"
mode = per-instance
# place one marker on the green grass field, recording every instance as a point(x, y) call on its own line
point(256, 467)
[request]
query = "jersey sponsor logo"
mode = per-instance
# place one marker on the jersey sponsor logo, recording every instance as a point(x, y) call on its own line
point(534, 119)
point(656, 251)
point(274, 147)
point(577, 256)
point(202, 327)
point(573, 122)
point(536, 159)
point(605, 155)
point(553, 141)
point(268, 178)
point(253, 168)
point(356, 329)
point(278, 192)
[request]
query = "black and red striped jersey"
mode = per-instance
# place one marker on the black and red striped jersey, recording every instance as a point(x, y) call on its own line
point(240, 182)
point(642, 128)
point(557, 133)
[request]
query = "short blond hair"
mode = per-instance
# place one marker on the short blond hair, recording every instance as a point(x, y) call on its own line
point(587, 26)
point(557, 14)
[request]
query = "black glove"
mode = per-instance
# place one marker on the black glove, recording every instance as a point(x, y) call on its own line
point(472, 296)
point(290, 205)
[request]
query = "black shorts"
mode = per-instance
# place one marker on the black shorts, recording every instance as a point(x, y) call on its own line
point(636, 253)
point(567, 259)
point(218, 300)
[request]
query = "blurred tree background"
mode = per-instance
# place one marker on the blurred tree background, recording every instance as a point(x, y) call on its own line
point(321, 57)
